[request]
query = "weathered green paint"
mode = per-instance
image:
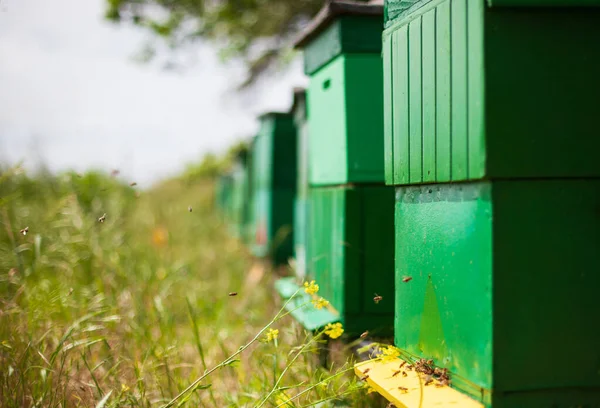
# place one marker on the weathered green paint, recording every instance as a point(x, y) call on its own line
point(396, 8)
point(477, 92)
point(274, 187)
point(346, 121)
point(503, 290)
point(351, 253)
point(346, 34)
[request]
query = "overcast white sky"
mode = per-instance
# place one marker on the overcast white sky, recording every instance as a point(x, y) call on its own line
point(70, 93)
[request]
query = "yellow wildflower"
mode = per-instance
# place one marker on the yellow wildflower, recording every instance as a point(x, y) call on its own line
point(311, 288)
point(389, 354)
point(271, 335)
point(334, 330)
point(320, 303)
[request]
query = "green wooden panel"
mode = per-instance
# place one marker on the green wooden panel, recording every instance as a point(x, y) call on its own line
point(346, 121)
point(503, 288)
point(239, 211)
point(429, 101)
point(388, 112)
point(250, 227)
point(399, 95)
point(542, 109)
point(459, 118)
point(351, 253)
point(300, 235)
point(443, 68)
point(262, 204)
point(263, 154)
point(415, 101)
point(515, 91)
point(475, 95)
point(444, 243)
point(274, 174)
point(284, 154)
point(345, 34)
point(364, 117)
point(281, 234)
point(223, 192)
point(327, 125)
point(300, 120)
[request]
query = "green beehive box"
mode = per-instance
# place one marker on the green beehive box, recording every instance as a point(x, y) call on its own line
point(299, 110)
point(274, 187)
point(479, 89)
point(249, 227)
point(239, 195)
point(342, 56)
point(223, 193)
point(351, 251)
point(503, 290)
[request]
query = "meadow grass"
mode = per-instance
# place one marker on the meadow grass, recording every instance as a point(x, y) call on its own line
point(119, 297)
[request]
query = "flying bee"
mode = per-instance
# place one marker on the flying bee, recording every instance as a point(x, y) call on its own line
point(232, 293)
point(407, 279)
point(377, 298)
point(404, 374)
point(133, 184)
point(402, 364)
point(365, 334)
point(396, 373)
point(364, 378)
point(403, 389)
point(103, 218)
point(24, 231)
point(366, 371)
point(190, 208)
point(70, 292)
point(428, 380)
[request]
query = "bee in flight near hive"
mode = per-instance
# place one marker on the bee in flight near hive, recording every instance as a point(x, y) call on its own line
point(377, 298)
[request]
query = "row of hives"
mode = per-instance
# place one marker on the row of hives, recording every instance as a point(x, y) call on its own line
point(444, 161)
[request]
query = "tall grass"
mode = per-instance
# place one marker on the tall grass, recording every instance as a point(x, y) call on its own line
point(131, 308)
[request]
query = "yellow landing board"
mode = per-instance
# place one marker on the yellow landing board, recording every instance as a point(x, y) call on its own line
point(410, 391)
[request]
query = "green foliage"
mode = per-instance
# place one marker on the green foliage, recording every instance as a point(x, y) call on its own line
point(236, 26)
point(212, 166)
point(131, 308)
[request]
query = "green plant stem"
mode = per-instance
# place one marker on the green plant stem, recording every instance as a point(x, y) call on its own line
point(263, 402)
point(278, 316)
point(315, 385)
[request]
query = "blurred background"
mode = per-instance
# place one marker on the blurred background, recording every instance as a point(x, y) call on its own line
point(133, 85)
